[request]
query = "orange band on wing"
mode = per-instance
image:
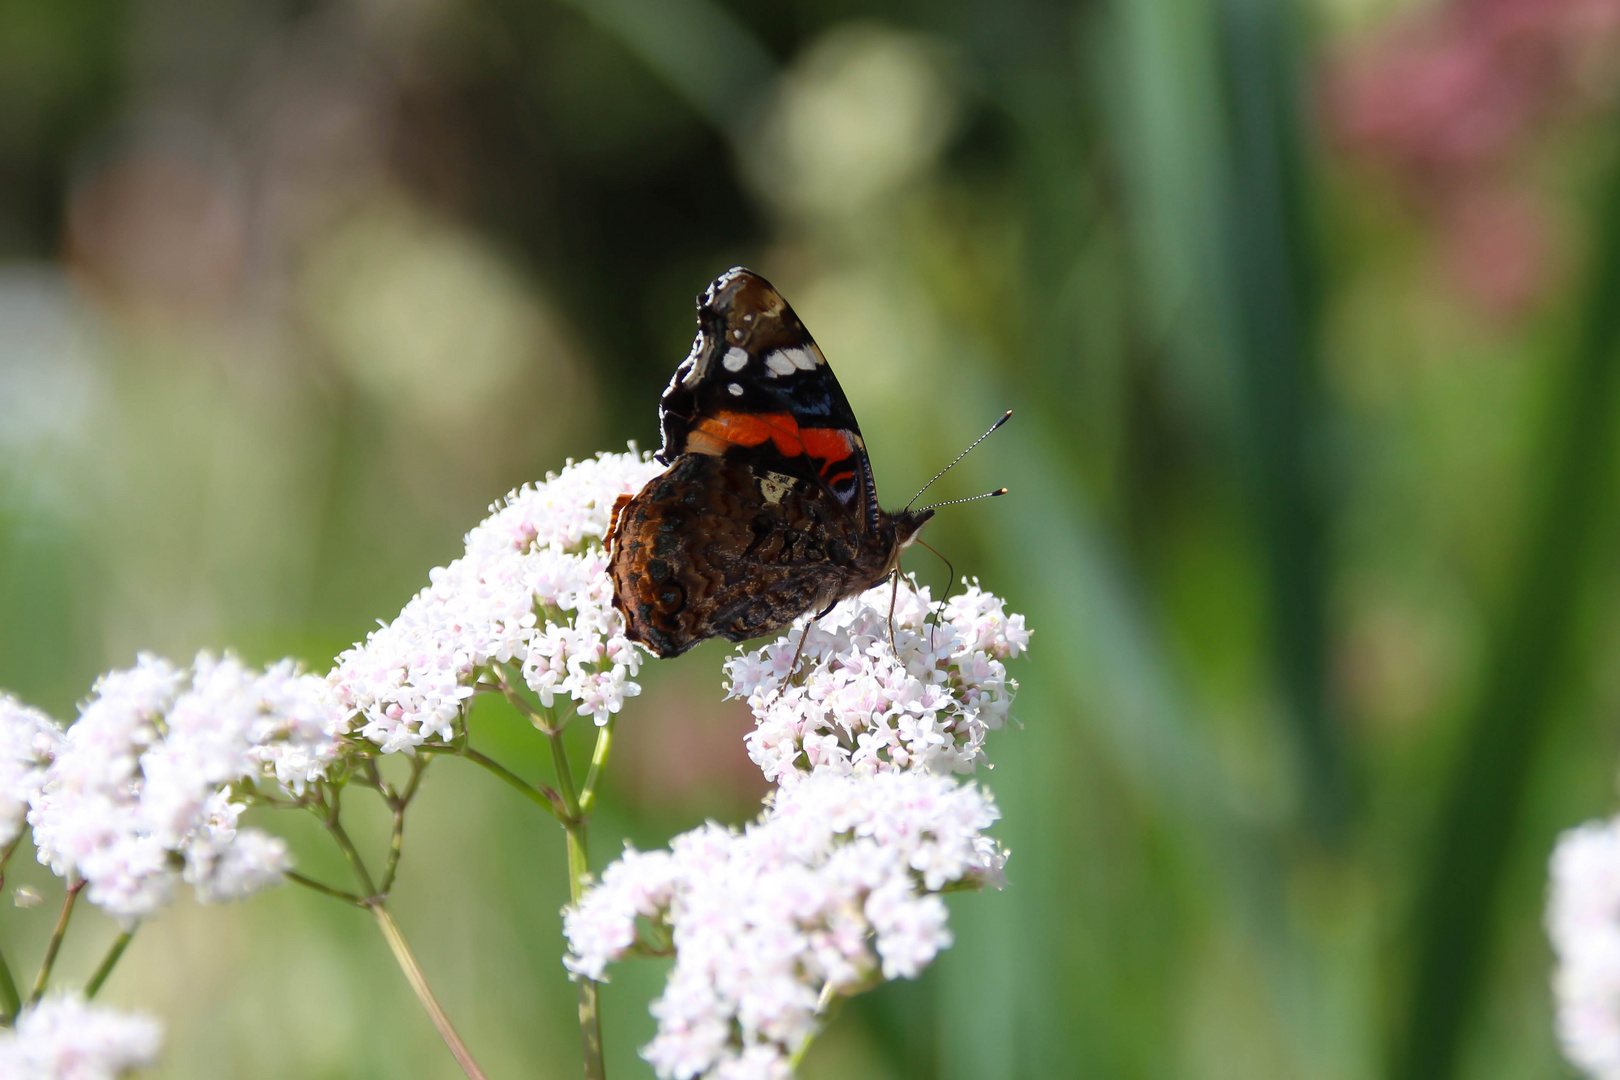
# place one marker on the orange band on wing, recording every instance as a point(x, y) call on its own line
point(750, 429)
point(826, 445)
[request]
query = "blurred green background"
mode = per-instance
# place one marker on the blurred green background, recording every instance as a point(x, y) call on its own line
point(1308, 312)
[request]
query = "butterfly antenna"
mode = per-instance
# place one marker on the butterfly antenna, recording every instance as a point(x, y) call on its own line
point(970, 498)
point(1005, 417)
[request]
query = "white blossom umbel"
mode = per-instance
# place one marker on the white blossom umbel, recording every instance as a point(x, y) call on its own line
point(834, 888)
point(531, 590)
point(65, 1038)
point(859, 704)
point(1583, 921)
point(139, 794)
point(28, 743)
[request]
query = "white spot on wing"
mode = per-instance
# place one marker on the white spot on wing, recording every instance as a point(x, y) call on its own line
point(802, 358)
point(735, 359)
point(780, 363)
point(736, 391)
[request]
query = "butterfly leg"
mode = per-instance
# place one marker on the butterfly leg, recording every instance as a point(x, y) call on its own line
point(793, 668)
point(894, 594)
point(950, 584)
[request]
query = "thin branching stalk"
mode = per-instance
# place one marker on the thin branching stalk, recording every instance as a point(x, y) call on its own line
point(108, 962)
point(539, 794)
point(5, 857)
point(599, 756)
point(579, 870)
point(424, 994)
point(55, 944)
point(10, 1003)
point(543, 721)
point(324, 889)
point(374, 901)
point(399, 802)
point(335, 826)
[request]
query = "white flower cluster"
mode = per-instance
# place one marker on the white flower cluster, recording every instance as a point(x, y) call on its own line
point(138, 795)
point(837, 885)
point(1583, 921)
point(65, 1038)
point(532, 589)
point(859, 704)
point(28, 743)
point(834, 886)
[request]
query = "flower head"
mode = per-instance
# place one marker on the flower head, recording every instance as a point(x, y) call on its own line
point(1583, 921)
point(139, 792)
point(531, 590)
point(858, 704)
point(28, 743)
point(833, 888)
point(66, 1038)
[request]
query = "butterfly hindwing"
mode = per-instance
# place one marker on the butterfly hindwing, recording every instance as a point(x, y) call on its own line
point(712, 547)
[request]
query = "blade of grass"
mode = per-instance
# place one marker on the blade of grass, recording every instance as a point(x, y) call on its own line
point(1269, 252)
point(1526, 660)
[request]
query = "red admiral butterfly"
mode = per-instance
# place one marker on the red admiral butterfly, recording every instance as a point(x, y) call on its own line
point(768, 508)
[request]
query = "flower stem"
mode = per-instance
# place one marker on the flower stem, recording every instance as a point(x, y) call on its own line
point(5, 857)
point(56, 942)
point(579, 870)
point(590, 1017)
point(324, 889)
point(599, 756)
point(418, 981)
point(108, 962)
point(536, 793)
point(352, 853)
point(10, 1003)
point(398, 801)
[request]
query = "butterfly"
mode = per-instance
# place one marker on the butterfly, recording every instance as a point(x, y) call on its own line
point(767, 509)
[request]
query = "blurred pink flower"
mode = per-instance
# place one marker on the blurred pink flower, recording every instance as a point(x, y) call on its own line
point(1447, 100)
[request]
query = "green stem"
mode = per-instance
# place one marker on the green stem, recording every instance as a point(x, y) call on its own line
point(566, 791)
point(599, 756)
point(413, 975)
point(108, 962)
point(398, 802)
point(5, 857)
point(590, 1017)
point(540, 718)
point(539, 794)
point(56, 942)
point(579, 870)
point(352, 853)
point(324, 889)
point(10, 1002)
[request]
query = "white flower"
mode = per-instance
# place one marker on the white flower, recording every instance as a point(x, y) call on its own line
point(65, 1038)
point(28, 742)
point(138, 796)
point(1583, 921)
point(833, 887)
point(531, 590)
point(295, 736)
point(859, 704)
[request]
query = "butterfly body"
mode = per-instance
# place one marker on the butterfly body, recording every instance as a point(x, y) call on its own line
point(768, 508)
